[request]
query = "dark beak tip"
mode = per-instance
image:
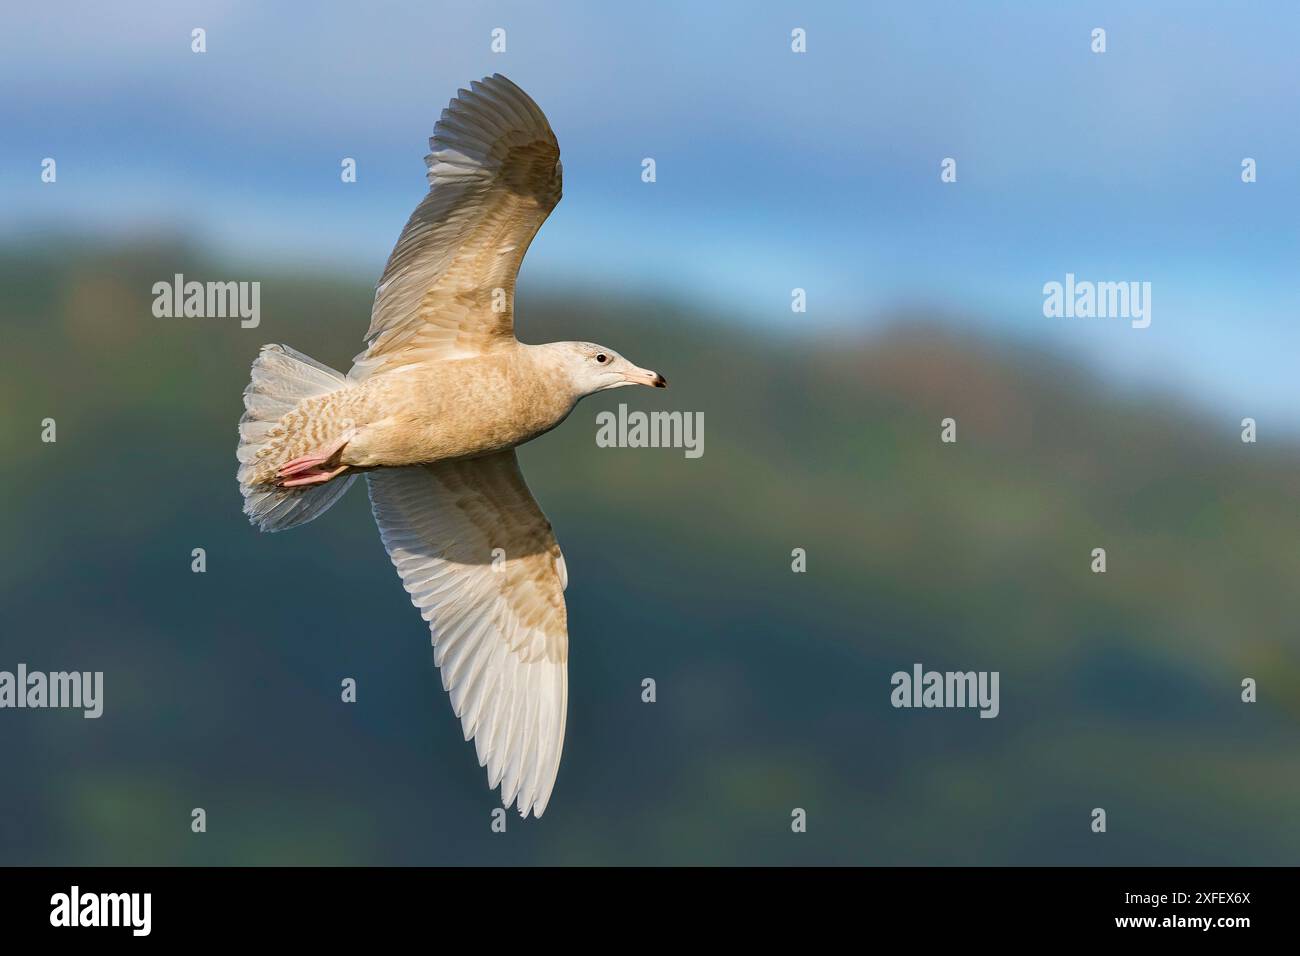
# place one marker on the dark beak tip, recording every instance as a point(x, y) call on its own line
point(660, 381)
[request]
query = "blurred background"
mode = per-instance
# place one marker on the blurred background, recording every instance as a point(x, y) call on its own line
point(775, 170)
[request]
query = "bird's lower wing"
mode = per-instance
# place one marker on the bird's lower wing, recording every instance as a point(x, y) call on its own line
point(479, 560)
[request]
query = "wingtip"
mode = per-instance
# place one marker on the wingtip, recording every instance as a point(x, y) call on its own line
point(524, 809)
point(492, 79)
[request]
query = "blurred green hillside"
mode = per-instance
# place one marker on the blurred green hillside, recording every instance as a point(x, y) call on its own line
point(222, 689)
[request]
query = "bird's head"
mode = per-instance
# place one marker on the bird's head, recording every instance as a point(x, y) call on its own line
point(594, 368)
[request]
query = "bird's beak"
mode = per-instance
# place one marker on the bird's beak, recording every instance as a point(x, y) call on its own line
point(643, 376)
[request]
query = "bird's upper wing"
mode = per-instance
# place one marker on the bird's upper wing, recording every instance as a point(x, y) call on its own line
point(500, 629)
point(448, 289)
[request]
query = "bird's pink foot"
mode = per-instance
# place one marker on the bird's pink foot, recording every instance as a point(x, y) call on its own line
point(311, 476)
point(306, 464)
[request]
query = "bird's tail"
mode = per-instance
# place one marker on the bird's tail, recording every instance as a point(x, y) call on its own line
point(281, 379)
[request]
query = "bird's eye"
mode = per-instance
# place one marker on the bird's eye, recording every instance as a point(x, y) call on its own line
point(602, 358)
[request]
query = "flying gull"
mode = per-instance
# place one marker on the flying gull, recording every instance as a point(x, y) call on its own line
point(431, 413)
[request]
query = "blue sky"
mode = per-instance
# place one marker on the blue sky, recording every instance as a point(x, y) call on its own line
point(775, 170)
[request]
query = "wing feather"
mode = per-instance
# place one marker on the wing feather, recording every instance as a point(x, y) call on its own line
point(498, 620)
point(448, 288)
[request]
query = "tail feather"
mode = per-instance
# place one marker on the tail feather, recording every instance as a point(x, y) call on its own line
point(281, 379)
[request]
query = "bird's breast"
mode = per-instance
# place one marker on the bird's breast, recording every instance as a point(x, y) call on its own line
point(456, 409)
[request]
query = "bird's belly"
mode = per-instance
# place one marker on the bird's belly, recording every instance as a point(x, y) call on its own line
point(416, 439)
point(455, 409)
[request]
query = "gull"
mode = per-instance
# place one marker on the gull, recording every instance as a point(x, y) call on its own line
point(431, 413)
